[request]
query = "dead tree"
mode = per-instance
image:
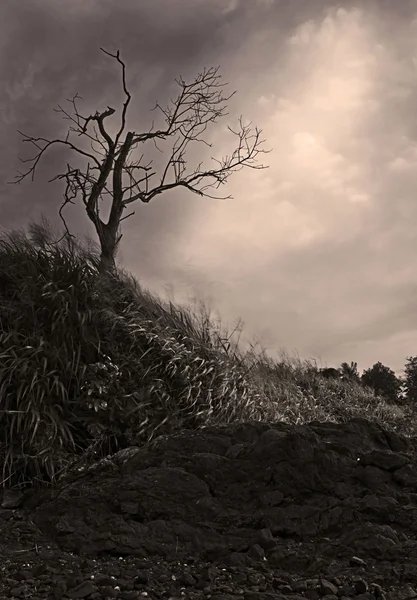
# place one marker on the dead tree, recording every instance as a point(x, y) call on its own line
point(198, 104)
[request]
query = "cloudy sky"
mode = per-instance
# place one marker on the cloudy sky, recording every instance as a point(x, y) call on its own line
point(317, 253)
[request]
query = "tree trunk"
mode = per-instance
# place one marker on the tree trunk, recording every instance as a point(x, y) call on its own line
point(107, 264)
point(108, 246)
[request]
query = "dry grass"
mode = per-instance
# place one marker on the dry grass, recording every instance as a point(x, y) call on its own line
point(89, 364)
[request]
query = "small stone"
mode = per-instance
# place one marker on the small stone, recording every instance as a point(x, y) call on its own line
point(377, 589)
point(188, 580)
point(82, 590)
point(327, 588)
point(299, 586)
point(256, 552)
point(105, 580)
point(312, 594)
point(142, 577)
point(109, 592)
point(18, 591)
point(355, 561)
point(23, 574)
point(361, 586)
point(265, 539)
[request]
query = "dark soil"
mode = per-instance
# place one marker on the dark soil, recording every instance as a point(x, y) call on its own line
point(252, 510)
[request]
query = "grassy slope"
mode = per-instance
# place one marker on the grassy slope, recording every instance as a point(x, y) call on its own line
point(89, 365)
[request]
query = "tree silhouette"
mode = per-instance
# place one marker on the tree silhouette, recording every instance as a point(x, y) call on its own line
point(383, 381)
point(330, 373)
point(350, 372)
point(198, 104)
point(410, 380)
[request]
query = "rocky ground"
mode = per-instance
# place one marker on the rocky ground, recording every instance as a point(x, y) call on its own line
point(258, 511)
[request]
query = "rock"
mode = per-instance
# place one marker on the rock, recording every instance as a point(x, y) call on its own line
point(260, 510)
point(327, 588)
point(12, 498)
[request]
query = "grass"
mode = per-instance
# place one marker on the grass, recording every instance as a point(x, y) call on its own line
point(91, 364)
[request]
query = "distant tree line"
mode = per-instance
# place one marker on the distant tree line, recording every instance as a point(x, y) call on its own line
point(381, 379)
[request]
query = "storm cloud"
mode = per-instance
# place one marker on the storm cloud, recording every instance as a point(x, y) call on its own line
point(316, 253)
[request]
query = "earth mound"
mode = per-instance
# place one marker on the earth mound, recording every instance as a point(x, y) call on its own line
point(257, 510)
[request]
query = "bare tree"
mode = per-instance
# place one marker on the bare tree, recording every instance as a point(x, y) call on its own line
point(198, 104)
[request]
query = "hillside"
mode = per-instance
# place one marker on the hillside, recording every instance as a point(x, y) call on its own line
point(134, 428)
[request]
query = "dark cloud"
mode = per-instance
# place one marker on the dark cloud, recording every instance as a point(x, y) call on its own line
point(316, 253)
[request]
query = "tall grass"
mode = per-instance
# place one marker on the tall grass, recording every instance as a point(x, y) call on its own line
point(90, 364)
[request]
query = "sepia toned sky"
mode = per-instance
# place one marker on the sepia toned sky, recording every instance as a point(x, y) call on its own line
point(318, 253)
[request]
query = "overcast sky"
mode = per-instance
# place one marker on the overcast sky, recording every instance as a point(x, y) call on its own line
point(317, 253)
